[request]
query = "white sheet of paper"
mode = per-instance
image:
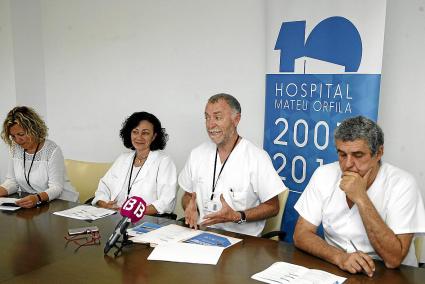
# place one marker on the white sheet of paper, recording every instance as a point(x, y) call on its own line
point(189, 253)
point(85, 212)
point(8, 200)
point(284, 272)
point(9, 208)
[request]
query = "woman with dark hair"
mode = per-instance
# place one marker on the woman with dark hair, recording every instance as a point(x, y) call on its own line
point(146, 171)
point(37, 164)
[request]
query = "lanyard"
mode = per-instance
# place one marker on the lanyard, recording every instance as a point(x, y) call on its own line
point(130, 184)
point(27, 178)
point(214, 183)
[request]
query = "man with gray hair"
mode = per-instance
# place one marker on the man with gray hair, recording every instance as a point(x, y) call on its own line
point(229, 183)
point(369, 209)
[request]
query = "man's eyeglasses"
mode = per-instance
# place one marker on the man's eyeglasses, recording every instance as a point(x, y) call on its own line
point(90, 238)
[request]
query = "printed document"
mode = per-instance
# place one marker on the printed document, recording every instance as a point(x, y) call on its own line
point(189, 253)
point(142, 229)
point(174, 233)
point(4, 201)
point(283, 272)
point(85, 212)
point(180, 244)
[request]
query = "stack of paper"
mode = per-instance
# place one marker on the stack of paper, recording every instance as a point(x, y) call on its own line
point(189, 253)
point(180, 244)
point(174, 233)
point(8, 204)
point(283, 272)
point(85, 212)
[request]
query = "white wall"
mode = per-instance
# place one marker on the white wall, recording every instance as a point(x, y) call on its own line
point(7, 77)
point(103, 60)
point(28, 54)
point(402, 98)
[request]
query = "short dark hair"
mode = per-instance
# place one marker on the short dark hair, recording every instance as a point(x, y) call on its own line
point(360, 127)
point(133, 121)
point(230, 100)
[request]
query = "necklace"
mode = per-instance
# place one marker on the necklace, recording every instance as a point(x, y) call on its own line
point(130, 184)
point(141, 159)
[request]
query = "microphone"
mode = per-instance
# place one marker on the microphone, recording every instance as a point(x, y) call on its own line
point(132, 211)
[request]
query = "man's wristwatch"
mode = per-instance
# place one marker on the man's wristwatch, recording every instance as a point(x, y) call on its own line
point(242, 219)
point(39, 201)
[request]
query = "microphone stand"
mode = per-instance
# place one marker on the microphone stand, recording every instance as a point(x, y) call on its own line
point(121, 244)
point(132, 211)
point(118, 244)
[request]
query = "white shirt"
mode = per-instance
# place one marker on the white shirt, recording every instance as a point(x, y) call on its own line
point(394, 193)
point(247, 180)
point(47, 173)
point(156, 182)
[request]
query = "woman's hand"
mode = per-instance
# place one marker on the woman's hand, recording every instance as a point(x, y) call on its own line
point(29, 201)
point(108, 204)
point(3, 192)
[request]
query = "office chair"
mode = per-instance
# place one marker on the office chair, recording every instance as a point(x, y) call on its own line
point(179, 209)
point(272, 227)
point(85, 176)
point(419, 250)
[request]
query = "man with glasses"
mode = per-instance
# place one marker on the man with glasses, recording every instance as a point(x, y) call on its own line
point(369, 209)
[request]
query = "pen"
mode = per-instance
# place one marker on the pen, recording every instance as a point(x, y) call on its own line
point(354, 246)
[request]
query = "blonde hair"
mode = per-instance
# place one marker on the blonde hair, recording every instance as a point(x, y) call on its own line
point(28, 119)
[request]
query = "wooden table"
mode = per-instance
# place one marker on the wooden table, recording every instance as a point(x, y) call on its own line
point(33, 250)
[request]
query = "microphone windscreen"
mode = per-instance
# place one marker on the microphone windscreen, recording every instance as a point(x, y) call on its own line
point(134, 208)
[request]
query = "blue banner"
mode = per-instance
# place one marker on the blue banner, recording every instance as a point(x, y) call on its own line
point(302, 112)
point(324, 62)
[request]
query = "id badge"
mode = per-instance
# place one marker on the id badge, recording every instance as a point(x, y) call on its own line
point(211, 206)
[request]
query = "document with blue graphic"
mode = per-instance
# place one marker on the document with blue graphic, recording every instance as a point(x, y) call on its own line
point(208, 239)
point(174, 233)
point(143, 228)
point(181, 244)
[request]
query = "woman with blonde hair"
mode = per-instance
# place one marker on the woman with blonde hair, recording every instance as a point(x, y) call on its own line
point(36, 165)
